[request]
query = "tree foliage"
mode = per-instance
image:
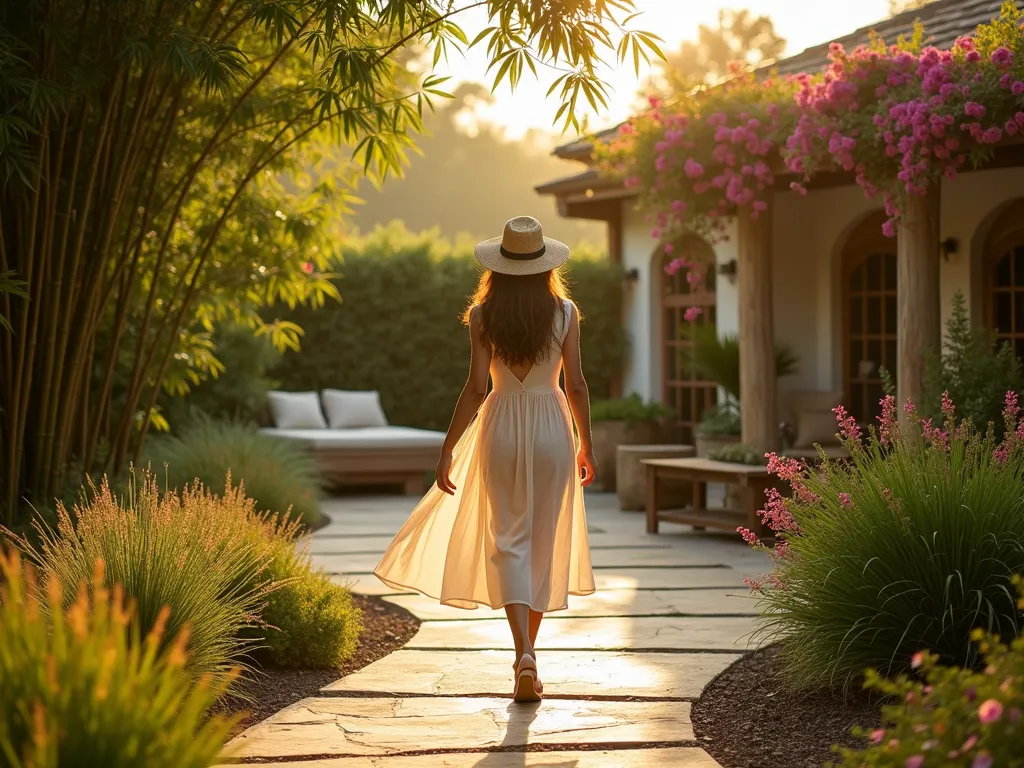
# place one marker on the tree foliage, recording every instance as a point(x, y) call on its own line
point(153, 159)
point(740, 38)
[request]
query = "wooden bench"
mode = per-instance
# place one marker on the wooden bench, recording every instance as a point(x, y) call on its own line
point(752, 483)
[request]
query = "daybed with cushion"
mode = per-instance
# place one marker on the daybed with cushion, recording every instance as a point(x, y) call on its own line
point(351, 439)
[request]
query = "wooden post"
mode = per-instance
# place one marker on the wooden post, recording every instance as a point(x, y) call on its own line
point(918, 296)
point(757, 336)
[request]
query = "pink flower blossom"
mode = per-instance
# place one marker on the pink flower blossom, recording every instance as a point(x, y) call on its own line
point(669, 248)
point(845, 500)
point(990, 710)
point(982, 760)
point(917, 660)
point(692, 313)
point(675, 265)
point(888, 426)
point(1002, 57)
point(307, 267)
point(748, 535)
point(784, 468)
point(693, 278)
point(915, 761)
point(693, 169)
point(877, 735)
point(974, 109)
point(848, 427)
point(776, 514)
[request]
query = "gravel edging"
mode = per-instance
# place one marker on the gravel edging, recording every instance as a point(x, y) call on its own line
point(746, 718)
point(386, 628)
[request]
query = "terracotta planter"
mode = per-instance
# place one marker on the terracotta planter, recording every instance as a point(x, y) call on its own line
point(708, 444)
point(608, 436)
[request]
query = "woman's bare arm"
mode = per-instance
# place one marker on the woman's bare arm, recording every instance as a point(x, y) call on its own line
point(472, 397)
point(578, 396)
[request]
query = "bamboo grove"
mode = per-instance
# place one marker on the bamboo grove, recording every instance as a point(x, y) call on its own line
point(162, 169)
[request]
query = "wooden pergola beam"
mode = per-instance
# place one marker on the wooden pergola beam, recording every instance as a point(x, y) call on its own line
point(758, 390)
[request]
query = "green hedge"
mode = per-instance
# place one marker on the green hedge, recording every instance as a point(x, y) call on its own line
point(397, 328)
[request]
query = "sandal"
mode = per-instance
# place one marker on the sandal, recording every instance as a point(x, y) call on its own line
point(537, 683)
point(526, 680)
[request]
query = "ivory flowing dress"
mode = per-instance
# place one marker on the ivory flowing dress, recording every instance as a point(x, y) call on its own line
point(515, 531)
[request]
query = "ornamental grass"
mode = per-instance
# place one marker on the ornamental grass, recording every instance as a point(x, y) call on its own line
point(201, 556)
point(82, 685)
point(279, 475)
point(910, 544)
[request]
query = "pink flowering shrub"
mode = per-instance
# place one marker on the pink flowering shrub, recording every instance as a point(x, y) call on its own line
point(952, 716)
point(694, 160)
point(909, 544)
point(898, 118)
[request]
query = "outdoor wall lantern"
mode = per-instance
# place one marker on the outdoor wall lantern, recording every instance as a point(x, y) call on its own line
point(631, 275)
point(950, 247)
point(728, 270)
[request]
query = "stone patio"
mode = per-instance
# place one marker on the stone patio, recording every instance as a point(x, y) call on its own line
point(620, 667)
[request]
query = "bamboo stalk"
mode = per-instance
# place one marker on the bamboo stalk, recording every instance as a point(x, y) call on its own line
point(54, 288)
point(100, 426)
point(193, 171)
point(22, 380)
point(101, 149)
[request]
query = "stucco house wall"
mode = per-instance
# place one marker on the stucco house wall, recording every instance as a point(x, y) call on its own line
point(809, 234)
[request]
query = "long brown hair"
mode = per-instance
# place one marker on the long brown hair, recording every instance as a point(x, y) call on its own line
point(517, 313)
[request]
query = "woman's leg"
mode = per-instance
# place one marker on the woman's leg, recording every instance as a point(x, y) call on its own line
point(519, 621)
point(535, 619)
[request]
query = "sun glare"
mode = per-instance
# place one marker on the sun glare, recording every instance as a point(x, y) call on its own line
point(802, 23)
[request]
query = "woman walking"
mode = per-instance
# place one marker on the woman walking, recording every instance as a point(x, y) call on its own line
point(505, 525)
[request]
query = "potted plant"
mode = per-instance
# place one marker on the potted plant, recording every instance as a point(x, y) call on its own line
point(719, 428)
point(717, 359)
point(739, 453)
point(626, 421)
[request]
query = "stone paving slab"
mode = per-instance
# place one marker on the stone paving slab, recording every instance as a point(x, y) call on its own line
point(382, 726)
point(565, 673)
point(724, 579)
point(339, 544)
point(612, 602)
point(601, 558)
point(660, 633)
point(671, 757)
point(366, 584)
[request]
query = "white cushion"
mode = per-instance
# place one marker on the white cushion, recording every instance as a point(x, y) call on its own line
point(296, 410)
point(376, 438)
point(352, 410)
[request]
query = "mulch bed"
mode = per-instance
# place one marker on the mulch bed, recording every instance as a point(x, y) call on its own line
point(746, 718)
point(386, 628)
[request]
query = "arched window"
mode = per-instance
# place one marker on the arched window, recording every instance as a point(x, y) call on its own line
point(685, 394)
point(1004, 277)
point(870, 318)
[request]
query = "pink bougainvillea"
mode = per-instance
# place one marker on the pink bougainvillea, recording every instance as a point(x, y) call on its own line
point(898, 118)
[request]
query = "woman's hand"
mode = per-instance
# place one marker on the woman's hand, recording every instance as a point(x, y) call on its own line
point(443, 473)
point(587, 466)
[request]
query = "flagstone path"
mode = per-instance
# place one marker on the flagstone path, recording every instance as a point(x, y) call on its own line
point(620, 667)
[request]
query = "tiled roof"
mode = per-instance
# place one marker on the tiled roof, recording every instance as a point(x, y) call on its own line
point(943, 21)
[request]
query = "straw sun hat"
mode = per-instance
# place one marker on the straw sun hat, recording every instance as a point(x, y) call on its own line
point(522, 250)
